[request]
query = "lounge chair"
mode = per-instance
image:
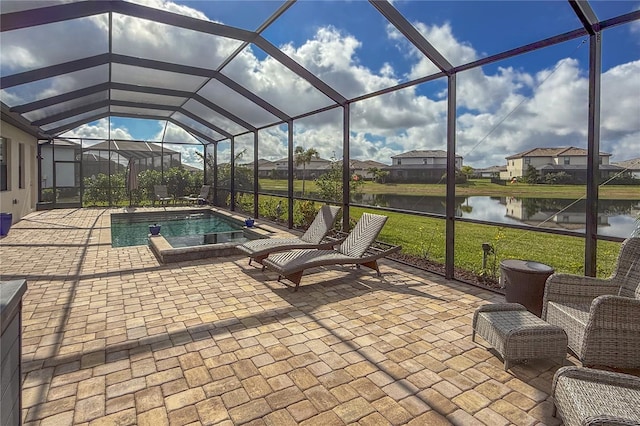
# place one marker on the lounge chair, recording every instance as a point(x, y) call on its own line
point(203, 198)
point(161, 194)
point(356, 249)
point(258, 250)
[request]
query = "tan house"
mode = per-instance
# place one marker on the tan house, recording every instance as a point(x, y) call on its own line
point(571, 160)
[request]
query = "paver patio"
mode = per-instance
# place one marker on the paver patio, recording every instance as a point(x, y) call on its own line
point(113, 337)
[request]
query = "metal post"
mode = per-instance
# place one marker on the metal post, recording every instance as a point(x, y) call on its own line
point(290, 174)
point(215, 174)
point(451, 178)
point(346, 178)
point(593, 154)
point(232, 177)
point(204, 166)
point(255, 173)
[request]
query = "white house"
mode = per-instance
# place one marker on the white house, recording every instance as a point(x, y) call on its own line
point(571, 160)
point(632, 166)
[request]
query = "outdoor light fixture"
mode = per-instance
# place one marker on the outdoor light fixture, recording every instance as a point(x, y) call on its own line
point(487, 249)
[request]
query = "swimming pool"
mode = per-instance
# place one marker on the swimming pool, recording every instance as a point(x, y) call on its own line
point(186, 228)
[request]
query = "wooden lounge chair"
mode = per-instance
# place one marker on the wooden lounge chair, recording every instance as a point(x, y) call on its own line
point(203, 198)
point(161, 194)
point(356, 249)
point(258, 250)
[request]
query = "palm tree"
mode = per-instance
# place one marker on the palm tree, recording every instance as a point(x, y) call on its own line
point(304, 157)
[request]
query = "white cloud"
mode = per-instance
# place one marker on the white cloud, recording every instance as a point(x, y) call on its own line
point(98, 130)
point(501, 112)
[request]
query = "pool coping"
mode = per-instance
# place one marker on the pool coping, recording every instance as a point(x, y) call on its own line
point(165, 253)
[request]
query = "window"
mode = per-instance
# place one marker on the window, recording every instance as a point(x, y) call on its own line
point(424, 161)
point(567, 161)
point(399, 162)
point(600, 159)
point(21, 165)
point(527, 161)
point(4, 164)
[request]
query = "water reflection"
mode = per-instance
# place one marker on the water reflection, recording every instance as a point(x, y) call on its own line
point(616, 217)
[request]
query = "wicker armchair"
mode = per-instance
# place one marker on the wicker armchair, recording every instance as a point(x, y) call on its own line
point(600, 316)
point(583, 396)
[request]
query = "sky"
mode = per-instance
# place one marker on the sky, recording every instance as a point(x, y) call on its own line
point(533, 100)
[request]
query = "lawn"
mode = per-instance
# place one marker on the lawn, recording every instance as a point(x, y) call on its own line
point(425, 237)
point(475, 187)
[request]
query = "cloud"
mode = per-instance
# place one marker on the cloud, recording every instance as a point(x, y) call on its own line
point(98, 130)
point(502, 109)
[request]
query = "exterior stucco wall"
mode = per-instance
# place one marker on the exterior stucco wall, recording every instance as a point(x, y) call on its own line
point(19, 201)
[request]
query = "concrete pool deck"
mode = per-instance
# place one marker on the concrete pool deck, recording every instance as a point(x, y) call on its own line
point(111, 336)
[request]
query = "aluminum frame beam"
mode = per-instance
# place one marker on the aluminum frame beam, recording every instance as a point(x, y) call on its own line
point(412, 34)
point(51, 14)
point(593, 154)
point(54, 70)
point(299, 70)
point(205, 123)
point(58, 99)
point(586, 15)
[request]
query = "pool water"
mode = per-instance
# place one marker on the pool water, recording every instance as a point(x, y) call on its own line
point(180, 229)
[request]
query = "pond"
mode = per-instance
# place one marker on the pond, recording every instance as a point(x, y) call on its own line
point(616, 217)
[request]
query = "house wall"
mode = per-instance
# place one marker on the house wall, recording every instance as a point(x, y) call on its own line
point(517, 167)
point(424, 160)
point(15, 200)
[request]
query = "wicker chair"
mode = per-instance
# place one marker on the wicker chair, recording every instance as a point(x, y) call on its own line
point(583, 396)
point(601, 316)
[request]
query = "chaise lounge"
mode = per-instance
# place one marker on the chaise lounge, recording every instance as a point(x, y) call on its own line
point(161, 195)
point(324, 221)
point(203, 198)
point(356, 249)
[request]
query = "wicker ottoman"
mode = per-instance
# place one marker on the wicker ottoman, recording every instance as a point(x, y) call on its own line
point(517, 334)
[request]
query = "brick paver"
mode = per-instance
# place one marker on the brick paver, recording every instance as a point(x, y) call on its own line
point(113, 337)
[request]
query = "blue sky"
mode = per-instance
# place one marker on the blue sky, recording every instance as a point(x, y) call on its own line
point(352, 47)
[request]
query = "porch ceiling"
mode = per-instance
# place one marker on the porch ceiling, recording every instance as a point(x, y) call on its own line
point(108, 71)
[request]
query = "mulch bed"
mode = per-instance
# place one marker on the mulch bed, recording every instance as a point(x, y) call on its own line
point(438, 268)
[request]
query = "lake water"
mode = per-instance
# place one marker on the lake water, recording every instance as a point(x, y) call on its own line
point(616, 217)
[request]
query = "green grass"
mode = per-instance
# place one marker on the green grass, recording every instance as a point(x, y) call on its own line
point(475, 187)
point(425, 237)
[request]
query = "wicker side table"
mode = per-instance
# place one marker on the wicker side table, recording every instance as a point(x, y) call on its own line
point(516, 334)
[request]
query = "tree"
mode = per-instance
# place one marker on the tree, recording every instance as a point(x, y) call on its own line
point(243, 178)
point(304, 157)
point(557, 178)
point(467, 171)
point(531, 176)
point(330, 183)
point(377, 174)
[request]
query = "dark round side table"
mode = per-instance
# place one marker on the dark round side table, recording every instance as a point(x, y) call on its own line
point(524, 282)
